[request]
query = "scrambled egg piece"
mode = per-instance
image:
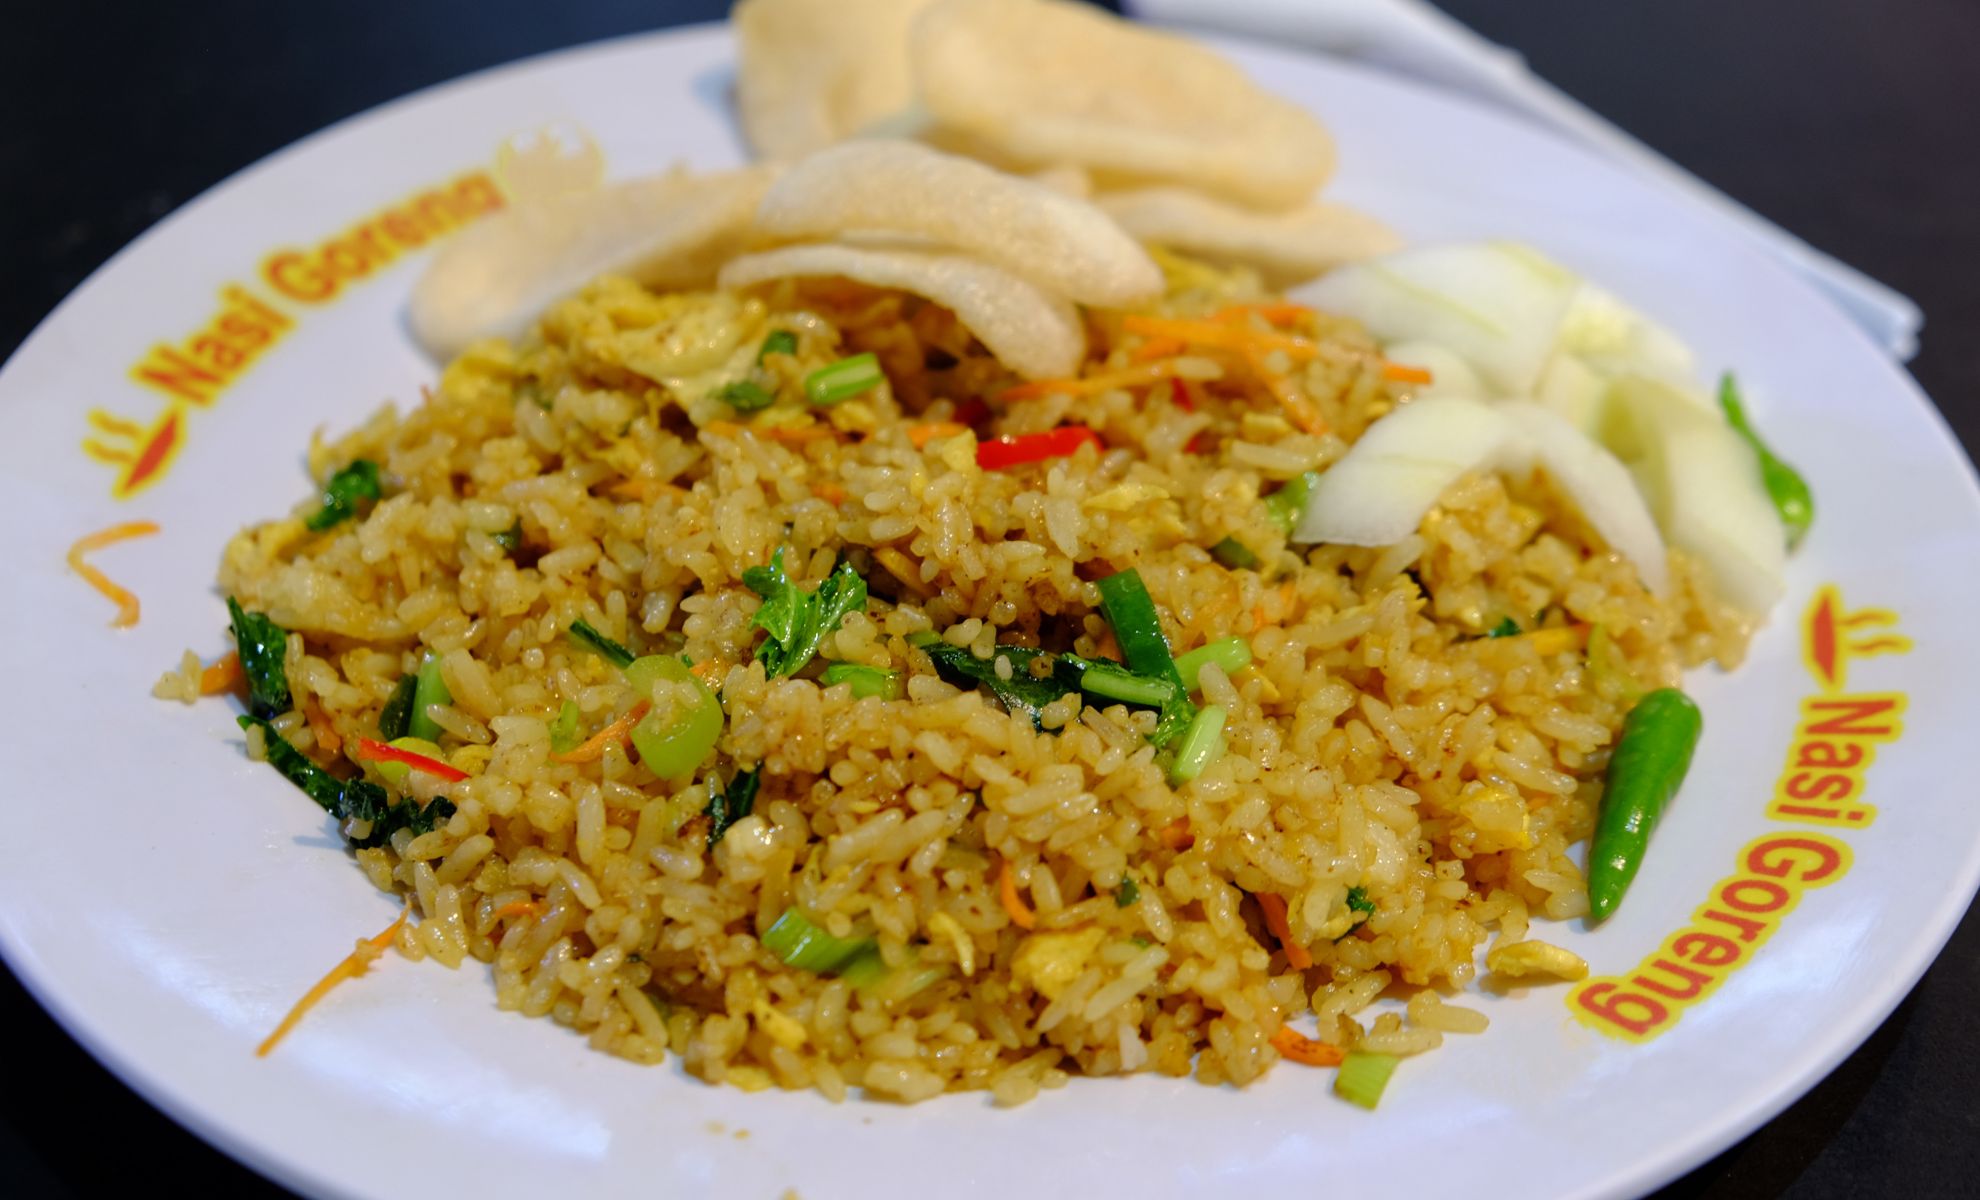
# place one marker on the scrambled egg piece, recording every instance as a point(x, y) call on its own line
point(1536, 958)
point(1049, 961)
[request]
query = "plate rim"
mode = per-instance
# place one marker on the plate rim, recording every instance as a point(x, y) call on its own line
point(1650, 1168)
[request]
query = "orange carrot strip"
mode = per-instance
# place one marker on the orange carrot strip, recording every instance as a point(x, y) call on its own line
point(1274, 314)
point(792, 435)
point(1274, 906)
point(710, 671)
point(1404, 373)
point(1221, 336)
point(1007, 895)
point(1158, 347)
point(222, 675)
point(921, 435)
point(127, 604)
point(829, 492)
point(353, 966)
point(1140, 376)
point(518, 908)
point(594, 746)
point(1292, 1044)
point(1176, 835)
point(319, 724)
point(1297, 406)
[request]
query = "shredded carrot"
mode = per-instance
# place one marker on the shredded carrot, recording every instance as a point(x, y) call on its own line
point(829, 492)
point(1404, 373)
point(594, 746)
point(1297, 406)
point(1257, 617)
point(1176, 835)
point(354, 965)
point(1007, 895)
point(127, 604)
point(1221, 335)
point(222, 675)
point(1274, 906)
point(1274, 314)
point(1139, 376)
point(709, 671)
point(1157, 347)
point(1292, 1044)
point(319, 724)
point(518, 908)
point(921, 435)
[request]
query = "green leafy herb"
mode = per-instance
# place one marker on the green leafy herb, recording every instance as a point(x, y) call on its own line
point(843, 380)
point(343, 493)
point(1358, 901)
point(612, 652)
point(746, 395)
point(795, 619)
point(1023, 692)
point(510, 539)
point(263, 647)
point(395, 719)
point(732, 803)
point(349, 799)
point(1507, 627)
point(1127, 893)
point(780, 341)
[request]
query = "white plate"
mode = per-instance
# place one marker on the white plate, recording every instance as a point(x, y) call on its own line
point(168, 900)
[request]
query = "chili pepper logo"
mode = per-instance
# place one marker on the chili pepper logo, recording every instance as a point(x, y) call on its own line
point(1834, 635)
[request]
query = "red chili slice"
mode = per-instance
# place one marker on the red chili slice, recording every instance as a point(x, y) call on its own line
point(1033, 447)
point(380, 752)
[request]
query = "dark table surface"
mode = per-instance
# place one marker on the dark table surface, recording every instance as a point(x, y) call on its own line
point(1855, 125)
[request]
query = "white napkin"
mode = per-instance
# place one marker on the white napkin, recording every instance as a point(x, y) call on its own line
point(1414, 38)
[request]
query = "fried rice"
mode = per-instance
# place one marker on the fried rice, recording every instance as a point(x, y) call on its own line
point(1399, 790)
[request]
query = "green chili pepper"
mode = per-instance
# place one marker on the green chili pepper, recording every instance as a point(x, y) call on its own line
point(1649, 763)
point(1792, 498)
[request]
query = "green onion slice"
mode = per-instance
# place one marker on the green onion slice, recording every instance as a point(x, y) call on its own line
point(1363, 1076)
point(1232, 654)
point(429, 689)
point(672, 743)
point(843, 379)
point(799, 942)
point(1201, 744)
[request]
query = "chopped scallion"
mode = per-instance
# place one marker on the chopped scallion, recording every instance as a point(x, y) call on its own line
point(589, 638)
point(1234, 554)
point(1111, 682)
point(1507, 627)
point(429, 689)
point(799, 942)
point(1288, 502)
point(564, 730)
point(1232, 654)
point(1363, 1076)
point(1127, 893)
point(843, 379)
point(780, 341)
point(674, 745)
point(865, 681)
point(746, 395)
point(1200, 745)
